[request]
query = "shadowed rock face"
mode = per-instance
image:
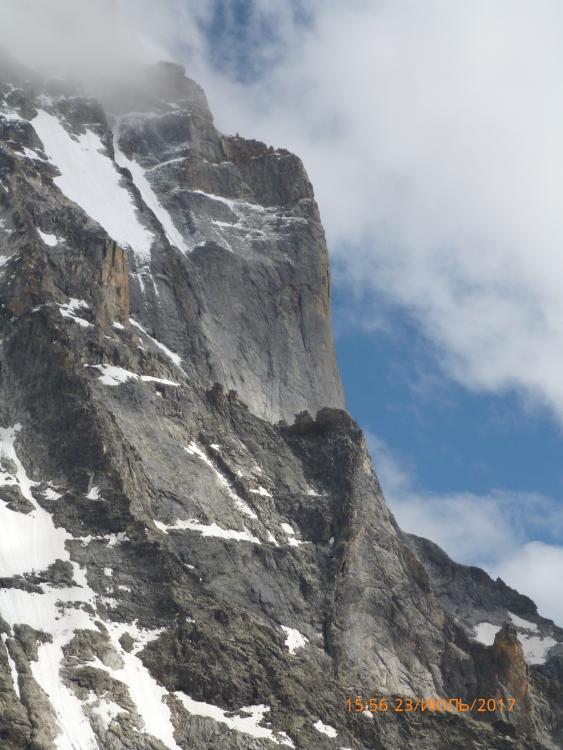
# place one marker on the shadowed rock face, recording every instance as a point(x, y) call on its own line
point(185, 564)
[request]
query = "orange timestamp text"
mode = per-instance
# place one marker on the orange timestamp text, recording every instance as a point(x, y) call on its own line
point(400, 705)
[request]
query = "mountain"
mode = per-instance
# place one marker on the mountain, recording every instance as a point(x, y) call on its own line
point(195, 550)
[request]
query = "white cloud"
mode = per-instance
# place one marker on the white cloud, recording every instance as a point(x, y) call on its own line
point(75, 35)
point(497, 531)
point(431, 132)
point(99, 41)
point(538, 568)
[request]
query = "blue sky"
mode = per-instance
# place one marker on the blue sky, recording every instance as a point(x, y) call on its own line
point(450, 438)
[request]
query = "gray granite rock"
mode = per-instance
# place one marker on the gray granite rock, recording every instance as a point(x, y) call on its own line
point(198, 567)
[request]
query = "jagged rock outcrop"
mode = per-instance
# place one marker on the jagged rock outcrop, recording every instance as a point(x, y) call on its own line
point(184, 562)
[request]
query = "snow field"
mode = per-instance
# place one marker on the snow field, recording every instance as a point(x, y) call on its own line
point(59, 612)
point(535, 647)
point(249, 724)
point(44, 611)
point(90, 179)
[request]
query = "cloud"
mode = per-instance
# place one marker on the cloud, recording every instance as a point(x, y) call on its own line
point(99, 40)
point(54, 35)
point(537, 567)
point(431, 132)
point(498, 531)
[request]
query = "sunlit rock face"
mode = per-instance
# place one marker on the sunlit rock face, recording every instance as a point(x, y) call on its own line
point(194, 550)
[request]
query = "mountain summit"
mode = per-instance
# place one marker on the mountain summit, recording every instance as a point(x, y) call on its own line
point(195, 550)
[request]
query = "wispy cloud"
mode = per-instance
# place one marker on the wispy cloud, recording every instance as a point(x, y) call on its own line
point(499, 531)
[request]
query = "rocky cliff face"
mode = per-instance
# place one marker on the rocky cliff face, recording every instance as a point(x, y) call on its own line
point(184, 562)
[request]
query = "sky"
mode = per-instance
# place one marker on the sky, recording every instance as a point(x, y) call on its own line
point(432, 134)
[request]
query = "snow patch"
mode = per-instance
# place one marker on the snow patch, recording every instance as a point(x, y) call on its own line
point(48, 541)
point(535, 647)
point(112, 375)
point(89, 178)
point(290, 531)
point(249, 724)
point(485, 633)
point(147, 694)
point(106, 709)
point(294, 639)
point(12, 116)
point(68, 310)
point(293, 542)
point(166, 164)
point(325, 729)
point(524, 624)
point(285, 739)
point(235, 205)
point(50, 494)
point(208, 530)
point(194, 450)
point(149, 197)
point(112, 540)
point(49, 239)
point(175, 358)
point(261, 491)
point(12, 665)
point(53, 611)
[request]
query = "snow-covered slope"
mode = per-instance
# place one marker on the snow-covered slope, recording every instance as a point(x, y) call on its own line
point(88, 176)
